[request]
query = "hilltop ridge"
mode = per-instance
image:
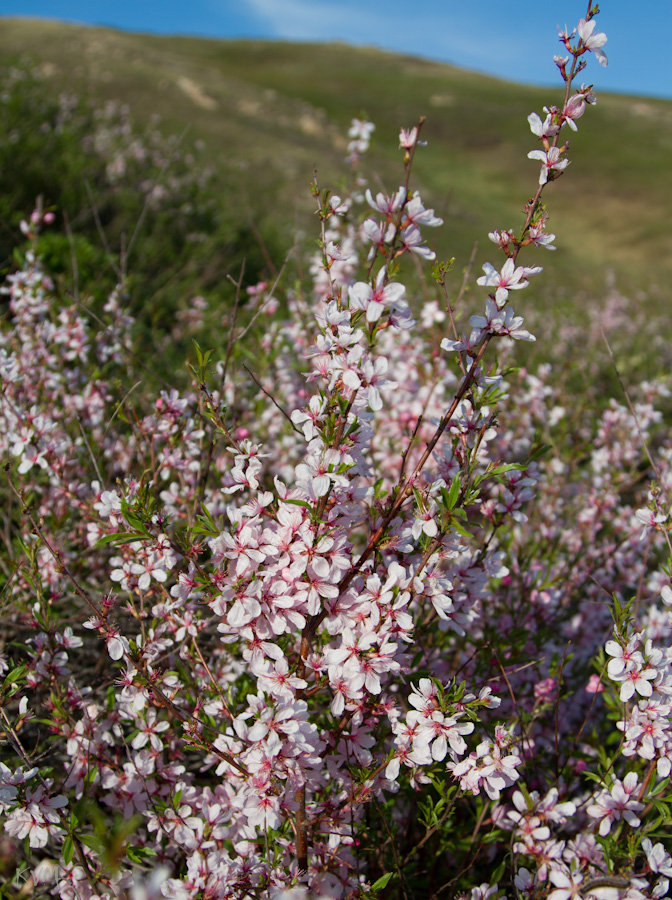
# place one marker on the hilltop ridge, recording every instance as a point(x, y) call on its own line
point(271, 112)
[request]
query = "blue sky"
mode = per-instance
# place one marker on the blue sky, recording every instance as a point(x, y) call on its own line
point(513, 39)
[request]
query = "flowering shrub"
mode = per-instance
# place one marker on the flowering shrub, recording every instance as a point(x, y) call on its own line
point(99, 172)
point(383, 617)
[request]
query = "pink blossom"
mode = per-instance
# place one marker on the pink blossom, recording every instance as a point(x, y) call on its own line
point(37, 819)
point(544, 129)
point(551, 161)
point(375, 300)
point(637, 680)
point(593, 42)
point(567, 884)
point(412, 240)
point(415, 213)
point(576, 106)
point(388, 206)
point(503, 322)
point(509, 279)
point(408, 138)
point(617, 803)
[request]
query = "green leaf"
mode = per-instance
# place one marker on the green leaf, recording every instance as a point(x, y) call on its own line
point(496, 876)
point(591, 776)
point(68, 850)
point(460, 529)
point(202, 358)
point(299, 503)
point(526, 794)
point(352, 428)
point(382, 882)
point(122, 537)
point(507, 467)
point(538, 451)
point(15, 675)
point(93, 842)
point(138, 854)
point(135, 522)
point(205, 524)
point(663, 810)
point(454, 492)
point(617, 609)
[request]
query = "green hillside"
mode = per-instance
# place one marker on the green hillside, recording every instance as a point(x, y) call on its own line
point(269, 113)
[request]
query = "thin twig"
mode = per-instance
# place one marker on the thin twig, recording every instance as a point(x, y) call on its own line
point(88, 447)
point(272, 399)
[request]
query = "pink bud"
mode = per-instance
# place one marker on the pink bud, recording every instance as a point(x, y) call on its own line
point(576, 107)
point(594, 685)
point(407, 138)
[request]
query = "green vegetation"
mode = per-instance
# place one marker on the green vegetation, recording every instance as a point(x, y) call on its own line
point(267, 112)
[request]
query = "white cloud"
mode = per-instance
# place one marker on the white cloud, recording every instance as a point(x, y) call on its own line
point(478, 35)
point(317, 20)
point(439, 30)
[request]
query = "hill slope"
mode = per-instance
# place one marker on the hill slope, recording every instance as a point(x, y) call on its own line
point(268, 113)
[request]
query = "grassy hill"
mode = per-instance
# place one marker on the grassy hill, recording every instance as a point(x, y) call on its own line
point(269, 113)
